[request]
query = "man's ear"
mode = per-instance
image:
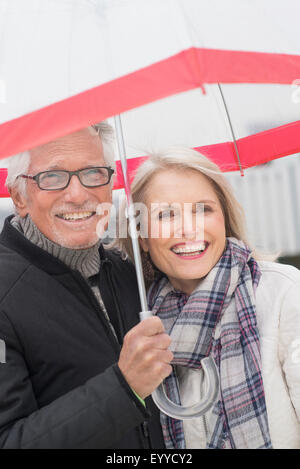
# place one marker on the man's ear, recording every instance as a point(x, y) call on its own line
point(143, 244)
point(19, 201)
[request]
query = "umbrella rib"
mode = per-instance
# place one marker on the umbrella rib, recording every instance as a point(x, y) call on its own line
point(231, 130)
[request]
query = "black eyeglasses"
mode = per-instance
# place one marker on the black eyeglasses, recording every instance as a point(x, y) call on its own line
point(58, 180)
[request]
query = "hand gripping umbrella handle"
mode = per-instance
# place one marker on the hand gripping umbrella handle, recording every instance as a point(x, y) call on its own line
point(211, 378)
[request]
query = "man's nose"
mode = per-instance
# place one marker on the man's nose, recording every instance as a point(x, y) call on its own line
point(75, 192)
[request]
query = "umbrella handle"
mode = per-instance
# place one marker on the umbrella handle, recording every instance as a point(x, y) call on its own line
point(211, 377)
point(176, 411)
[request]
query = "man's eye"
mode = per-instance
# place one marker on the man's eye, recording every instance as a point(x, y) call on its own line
point(94, 171)
point(48, 176)
point(95, 174)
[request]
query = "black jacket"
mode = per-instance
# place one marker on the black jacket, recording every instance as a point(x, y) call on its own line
point(60, 386)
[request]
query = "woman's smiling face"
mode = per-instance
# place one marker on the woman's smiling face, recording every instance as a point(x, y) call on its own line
point(188, 258)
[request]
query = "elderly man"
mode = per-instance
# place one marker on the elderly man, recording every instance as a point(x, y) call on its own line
point(71, 379)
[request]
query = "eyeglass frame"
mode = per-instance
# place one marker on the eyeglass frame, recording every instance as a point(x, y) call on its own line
point(70, 174)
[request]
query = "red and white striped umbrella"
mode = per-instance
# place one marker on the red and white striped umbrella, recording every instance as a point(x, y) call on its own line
point(66, 64)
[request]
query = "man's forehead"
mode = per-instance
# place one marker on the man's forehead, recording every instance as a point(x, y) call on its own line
point(78, 148)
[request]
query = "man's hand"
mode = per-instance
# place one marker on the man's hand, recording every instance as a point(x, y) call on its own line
point(145, 358)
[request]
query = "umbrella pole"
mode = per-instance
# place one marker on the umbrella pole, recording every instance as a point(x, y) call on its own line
point(231, 130)
point(131, 218)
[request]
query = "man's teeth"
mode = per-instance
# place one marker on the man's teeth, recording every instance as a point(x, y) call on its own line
point(75, 216)
point(188, 249)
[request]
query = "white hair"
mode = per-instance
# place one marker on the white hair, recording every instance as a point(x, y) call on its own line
point(19, 164)
point(16, 165)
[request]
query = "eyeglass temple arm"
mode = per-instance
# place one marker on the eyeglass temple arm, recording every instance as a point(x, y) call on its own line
point(26, 176)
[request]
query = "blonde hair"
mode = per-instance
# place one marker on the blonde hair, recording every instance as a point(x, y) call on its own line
point(184, 158)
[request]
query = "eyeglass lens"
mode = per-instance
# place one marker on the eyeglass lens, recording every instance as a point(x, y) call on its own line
point(59, 179)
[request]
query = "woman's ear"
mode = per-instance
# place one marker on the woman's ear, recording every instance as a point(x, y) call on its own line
point(144, 244)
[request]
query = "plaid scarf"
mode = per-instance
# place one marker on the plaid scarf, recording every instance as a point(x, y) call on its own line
point(218, 319)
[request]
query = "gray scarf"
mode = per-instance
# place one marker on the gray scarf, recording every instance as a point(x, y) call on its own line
point(85, 261)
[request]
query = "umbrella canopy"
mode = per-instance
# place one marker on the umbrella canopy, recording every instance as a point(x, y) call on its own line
point(263, 123)
point(65, 65)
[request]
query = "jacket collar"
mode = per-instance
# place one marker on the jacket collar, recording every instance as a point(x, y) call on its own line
point(16, 241)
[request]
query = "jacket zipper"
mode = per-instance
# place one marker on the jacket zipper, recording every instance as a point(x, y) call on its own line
point(107, 265)
point(145, 435)
point(93, 300)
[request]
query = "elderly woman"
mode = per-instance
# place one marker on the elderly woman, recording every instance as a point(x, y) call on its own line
point(222, 300)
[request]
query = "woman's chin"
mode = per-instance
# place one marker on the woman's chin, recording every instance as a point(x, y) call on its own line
point(191, 274)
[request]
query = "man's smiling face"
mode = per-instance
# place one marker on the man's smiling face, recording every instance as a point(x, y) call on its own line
point(67, 217)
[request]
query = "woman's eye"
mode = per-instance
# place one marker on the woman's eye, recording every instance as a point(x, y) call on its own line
point(201, 208)
point(166, 214)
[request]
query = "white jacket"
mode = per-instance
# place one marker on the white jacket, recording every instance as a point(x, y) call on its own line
point(278, 319)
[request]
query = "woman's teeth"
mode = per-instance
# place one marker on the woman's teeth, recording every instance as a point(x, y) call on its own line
point(75, 216)
point(190, 249)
